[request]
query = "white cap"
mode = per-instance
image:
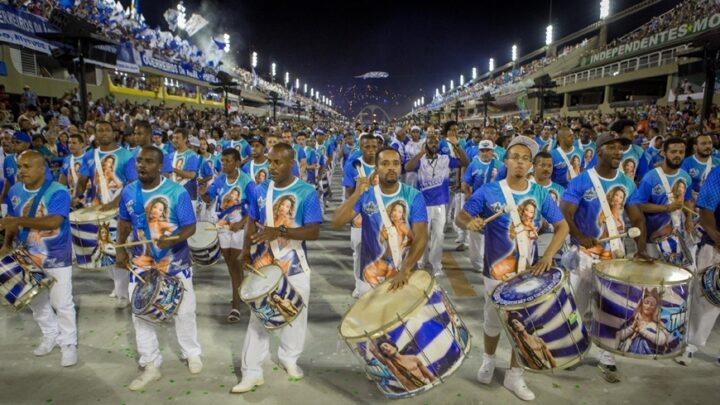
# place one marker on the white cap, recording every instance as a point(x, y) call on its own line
point(415, 128)
point(486, 144)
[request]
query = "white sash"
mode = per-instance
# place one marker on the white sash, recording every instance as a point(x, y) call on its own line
point(292, 244)
point(73, 173)
point(708, 169)
point(104, 191)
point(361, 169)
point(393, 241)
point(172, 169)
point(572, 171)
point(675, 216)
point(616, 244)
point(521, 236)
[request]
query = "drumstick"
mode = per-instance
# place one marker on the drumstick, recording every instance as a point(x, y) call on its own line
point(632, 232)
point(129, 268)
point(144, 242)
point(496, 215)
point(690, 211)
point(254, 270)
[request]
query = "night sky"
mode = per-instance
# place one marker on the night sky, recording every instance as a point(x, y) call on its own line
point(326, 43)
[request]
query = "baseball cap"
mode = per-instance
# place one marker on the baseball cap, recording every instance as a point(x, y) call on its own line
point(194, 141)
point(606, 138)
point(415, 128)
point(257, 139)
point(525, 141)
point(21, 137)
point(486, 144)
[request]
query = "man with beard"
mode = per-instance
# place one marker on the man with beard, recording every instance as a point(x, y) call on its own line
point(563, 157)
point(259, 162)
point(412, 148)
point(700, 164)
point(182, 165)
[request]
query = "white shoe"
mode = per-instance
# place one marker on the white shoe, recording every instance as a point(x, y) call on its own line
point(151, 373)
point(438, 273)
point(122, 303)
point(69, 356)
point(487, 369)
point(459, 239)
point(515, 382)
point(356, 293)
point(195, 364)
point(293, 370)
point(247, 384)
point(45, 347)
point(112, 294)
point(685, 359)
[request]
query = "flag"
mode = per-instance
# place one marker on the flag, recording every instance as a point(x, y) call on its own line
point(195, 24)
point(171, 16)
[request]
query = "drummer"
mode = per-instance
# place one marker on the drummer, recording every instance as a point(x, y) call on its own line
point(257, 167)
point(45, 230)
point(110, 168)
point(232, 190)
point(155, 208)
point(703, 314)
point(385, 255)
point(511, 244)
point(295, 210)
point(591, 218)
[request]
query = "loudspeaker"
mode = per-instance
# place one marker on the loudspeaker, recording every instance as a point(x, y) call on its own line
point(70, 24)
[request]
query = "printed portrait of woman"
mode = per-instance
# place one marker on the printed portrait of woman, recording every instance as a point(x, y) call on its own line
point(108, 169)
point(157, 213)
point(260, 176)
point(507, 266)
point(283, 214)
point(533, 350)
point(587, 157)
point(575, 164)
point(677, 191)
point(104, 253)
point(629, 168)
point(230, 199)
point(35, 239)
point(407, 369)
point(644, 333)
point(383, 268)
point(616, 201)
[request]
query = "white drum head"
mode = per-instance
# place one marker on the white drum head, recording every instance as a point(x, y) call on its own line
point(205, 235)
point(638, 272)
point(91, 215)
point(255, 286)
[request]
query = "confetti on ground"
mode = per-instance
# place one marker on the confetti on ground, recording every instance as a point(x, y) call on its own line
point(577, 385)
point(187, 393)
point(459, 394)
point(222, 385)
point(205, 393)
point(49, 400)
point(275, 368)
point(556, 385)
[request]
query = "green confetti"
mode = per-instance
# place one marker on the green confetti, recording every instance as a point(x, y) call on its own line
point(459, 394)
point(49, 400)
point(204, 392)
point(275, 368)
point(577, 385)
point(125, 386)
point(187, 393)
point(222, 385)
point(172, 381)
point(252, 390)
point(109, 351)
point(170, 398)
point(556, 385)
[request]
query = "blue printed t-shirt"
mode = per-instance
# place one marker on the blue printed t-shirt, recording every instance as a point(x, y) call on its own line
point(709, 199)
point(479, 173)
point(697, 169)
point(259, 172)
point(434, 178)
point(294, 206)
point(167, 208)
point(404, 208)
point(589, 217)
point(10, 169)
point(240, 145)
point(561, 172)
point(651, 190)
point(118, 168)
point(534, 203)
point(232, 198)
point(629, 161)
point(52, 248)
point(588, 153)
point(187, 161)
point(311, 159)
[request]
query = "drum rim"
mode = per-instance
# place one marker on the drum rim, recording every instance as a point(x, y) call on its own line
point(678, 353)
point(563, 280)
point(245, 279)
point(606, 276)
point(28, 297)
point(93, 221)
point(369, 335)
point(156, 292)
point(701, 278)
point(287, 321)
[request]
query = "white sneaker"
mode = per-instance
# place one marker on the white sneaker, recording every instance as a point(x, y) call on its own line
point(515, 382)
point(122, 303)
point(112, 294)
point(195, 364)
point(293, 370)
point(69, 356)
point(685, 359)
point(45, 347)
point(438, 273)
point(356, 293)
point(459, 239)
point(247, 384)
point(151, 373)
point(487, 369)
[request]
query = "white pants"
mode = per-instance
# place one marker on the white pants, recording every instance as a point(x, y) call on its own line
point(185, 329)
point(436, 234)
point(491, 321)
point(120, 280)
point(256, 346)
point(458, 202)
point(476, 250)
point(355, 242)
point(703, 314)
point(54, 311)
point(231, 240)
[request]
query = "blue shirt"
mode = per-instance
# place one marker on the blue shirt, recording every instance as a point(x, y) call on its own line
point(167, 208)
point(651, 190)
point(118, 168)
point(351, 172)
point(311, 159)
point(547, 146)
point(479, 173)
point(697, 169)
point(10, 169)
point(629, 162)
point(241, 145)
point(187, 161)
point(404, 208)
point(561, 172)
point(501, 255)
point(259, 172)
point(294, 206)
point(434, 178)
point(232, 198)
point(709, 199)
point(52, 248)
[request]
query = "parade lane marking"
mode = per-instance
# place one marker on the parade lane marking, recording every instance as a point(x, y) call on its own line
point(459, 283)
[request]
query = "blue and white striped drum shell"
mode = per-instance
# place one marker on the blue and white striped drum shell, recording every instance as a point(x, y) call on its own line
point(204, 244)
point(640, 309)
point(542, 320)
point(417, 324)
point(158, 298)
point(93, 237)
point(20, 279)
point(710, 283)
point(272, 299)
point(673, 250)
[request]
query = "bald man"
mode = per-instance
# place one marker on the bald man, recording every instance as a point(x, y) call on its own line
point(38, 218)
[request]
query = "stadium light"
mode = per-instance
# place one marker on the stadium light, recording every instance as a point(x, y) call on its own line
point(305, 88)
point(604, 9)
point(443, 88)
point(254, 59)
point(287, 78)
point(272, 70)
point(452, 84)
point(437, 92)
point(226, 38)
point(422, 100)
point(474, 73)
point(462, 80)
point(312, 92)
point(549, 35)
point(297, 84)
point(415, 104)
point(492, 64)
point(514, 53)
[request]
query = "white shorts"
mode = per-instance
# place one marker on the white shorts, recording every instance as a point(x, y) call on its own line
point(231, 240)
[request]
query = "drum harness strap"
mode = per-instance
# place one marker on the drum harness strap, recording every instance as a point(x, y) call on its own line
point(572, 171)
point(292, 244)
point(174, 161)
point(104, 191)
point(73, 173)
point(708, 169)
point(616, 245)
point(521, 237)
point(33, 210)
point(393, 241)
point(676, 216)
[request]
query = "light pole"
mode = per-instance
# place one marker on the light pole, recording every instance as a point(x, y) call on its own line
point(272, 71)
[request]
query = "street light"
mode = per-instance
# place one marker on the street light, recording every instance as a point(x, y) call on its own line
point(549, 35)
point(305, 88)
point(287, 78)
point(492, 64)
point(443, 88)
point(312, 92)
point(514, 53)
point(452, 84)
point(604, 9)
point(254, 60)
point(422, 100)
point(462, 80)
point(437, 92)
point(297, 84)
point(272, 70)
point(474, 73)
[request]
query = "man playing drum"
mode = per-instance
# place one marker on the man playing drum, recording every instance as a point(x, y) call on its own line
point(594, 205)
point(283, 214)
point(160, 211)
point(511, 244)
point(38, 212)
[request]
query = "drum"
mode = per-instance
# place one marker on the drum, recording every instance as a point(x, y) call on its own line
point(640, 309)
point(542, 320)
point(93, 237)
point(272, 298)
point(20, 279)
point(204, 244)
point(158, 298)
point(673, 250)
point(710, 283)
point(408, 341)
